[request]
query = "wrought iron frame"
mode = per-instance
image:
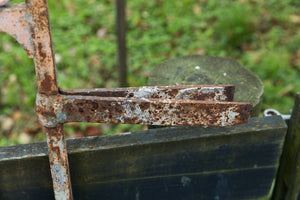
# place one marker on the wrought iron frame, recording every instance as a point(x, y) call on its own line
point(197, 105)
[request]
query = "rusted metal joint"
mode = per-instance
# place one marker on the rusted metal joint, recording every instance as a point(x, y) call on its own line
point(49, 110)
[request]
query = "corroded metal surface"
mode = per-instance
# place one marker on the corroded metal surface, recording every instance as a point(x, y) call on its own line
point(38, 18)
point(59, 162)
point(57, 109)
point(195, 92)
point(29, 24)
point(13, 22)
point(194, 105)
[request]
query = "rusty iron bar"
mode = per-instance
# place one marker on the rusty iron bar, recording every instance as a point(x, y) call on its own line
point(59, 162)
point(38, 19)
point(206, 105)
point(29, 24)
point(194, 92)
point(145, 105)
point(56, 109)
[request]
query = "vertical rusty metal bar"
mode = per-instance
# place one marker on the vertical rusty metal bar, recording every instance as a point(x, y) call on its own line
point(121, 34)
point(38, 17)
point(59, 164)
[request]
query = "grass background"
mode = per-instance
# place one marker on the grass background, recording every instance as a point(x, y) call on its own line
point(262, 35)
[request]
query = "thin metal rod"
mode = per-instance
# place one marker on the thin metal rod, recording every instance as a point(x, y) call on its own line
point(59, 164)
point(121, 35)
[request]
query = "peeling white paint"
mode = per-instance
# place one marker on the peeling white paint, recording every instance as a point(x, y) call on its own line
point(216, 92)
point(219, 92)
point(186, 93)
point(228, 116)
point(148, 92)
point(143, 92)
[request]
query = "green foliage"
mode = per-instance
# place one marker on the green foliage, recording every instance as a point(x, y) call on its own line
point(262, 35)
point(234, 27)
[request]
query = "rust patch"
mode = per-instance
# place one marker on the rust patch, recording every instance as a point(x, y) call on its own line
point(69, 108)
point(40, 50)
point(46, 83)
point(55, 150)
point(94, 106)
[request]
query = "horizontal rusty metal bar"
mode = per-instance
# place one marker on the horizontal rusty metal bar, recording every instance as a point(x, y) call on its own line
point(13, 22)
point(192, 92)
point(57, 109)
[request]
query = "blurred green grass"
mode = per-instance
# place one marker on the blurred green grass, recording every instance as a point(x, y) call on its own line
point(262, 35)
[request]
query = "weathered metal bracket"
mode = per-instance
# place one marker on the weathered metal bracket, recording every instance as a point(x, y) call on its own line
point(14, 22)
point(203, 105)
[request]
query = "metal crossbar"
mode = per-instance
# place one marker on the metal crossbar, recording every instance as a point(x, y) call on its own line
point(198, 105)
